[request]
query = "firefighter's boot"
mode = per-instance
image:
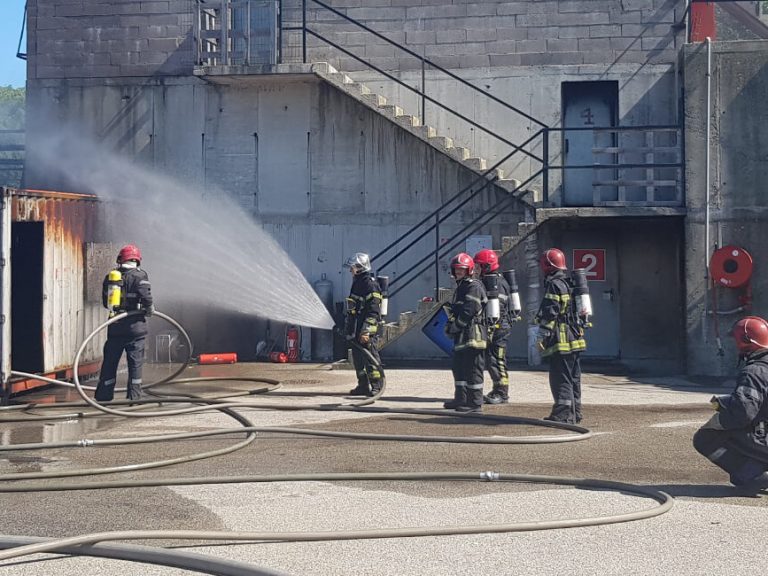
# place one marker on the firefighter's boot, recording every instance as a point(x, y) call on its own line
point(459, 395)
point(499, 395)
point(474, 400)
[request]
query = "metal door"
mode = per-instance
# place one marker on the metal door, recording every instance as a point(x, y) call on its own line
point(597, 255)
point(27, 296)
point(585, 105)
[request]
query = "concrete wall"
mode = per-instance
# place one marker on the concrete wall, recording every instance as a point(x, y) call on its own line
point(324, 174)
point(738, 212)
point(498, 33)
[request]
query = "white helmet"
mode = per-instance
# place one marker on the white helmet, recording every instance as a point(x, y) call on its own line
point(358, 262)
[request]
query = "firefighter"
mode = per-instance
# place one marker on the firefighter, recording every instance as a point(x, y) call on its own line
point(735, 437)
point(560, 338)
point(466, 326)
point(128, 334)
point(498, 326)
point(362, 324)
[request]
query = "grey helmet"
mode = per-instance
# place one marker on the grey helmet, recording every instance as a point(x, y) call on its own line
point(358, 262)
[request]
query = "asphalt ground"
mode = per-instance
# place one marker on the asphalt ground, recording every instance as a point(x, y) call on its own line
point(642, 435)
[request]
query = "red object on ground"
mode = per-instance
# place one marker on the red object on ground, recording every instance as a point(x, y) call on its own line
point(223, 358)
point(279, 357)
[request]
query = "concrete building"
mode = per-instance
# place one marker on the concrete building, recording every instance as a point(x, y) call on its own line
point(342, 127)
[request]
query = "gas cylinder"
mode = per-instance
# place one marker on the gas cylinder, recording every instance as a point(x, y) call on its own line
point(114, 291)
point(221, 358)
point(278, 357)
point(321, 341)
point(292, 343)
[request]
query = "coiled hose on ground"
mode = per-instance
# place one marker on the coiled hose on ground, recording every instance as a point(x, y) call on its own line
point(85, 544)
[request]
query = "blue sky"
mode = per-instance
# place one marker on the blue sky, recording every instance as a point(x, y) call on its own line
point(13, 71)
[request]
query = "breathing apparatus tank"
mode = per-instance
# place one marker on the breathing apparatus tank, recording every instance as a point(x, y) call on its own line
point(321, 341)
point(114, 291)
point(515, 309)
point(492, 311)
point(383, 286)
point(581, 293)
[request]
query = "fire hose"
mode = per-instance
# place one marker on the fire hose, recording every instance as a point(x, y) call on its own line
point(84, 544)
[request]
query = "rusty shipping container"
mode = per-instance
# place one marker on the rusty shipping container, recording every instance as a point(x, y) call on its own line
point(50, 283)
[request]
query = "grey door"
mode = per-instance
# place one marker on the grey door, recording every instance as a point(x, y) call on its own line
point(586, 105)
point(597, 255)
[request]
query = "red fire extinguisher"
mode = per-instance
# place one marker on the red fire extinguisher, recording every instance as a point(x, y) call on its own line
point(292, 342)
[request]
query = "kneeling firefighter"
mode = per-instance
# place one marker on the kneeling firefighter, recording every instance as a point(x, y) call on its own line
point(363, 315)
point(502, 310)
point(466, 326)
point(735, 437)
point(126, 288)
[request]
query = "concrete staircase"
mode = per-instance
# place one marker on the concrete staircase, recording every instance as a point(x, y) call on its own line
point(428, 134)
point(407, 321)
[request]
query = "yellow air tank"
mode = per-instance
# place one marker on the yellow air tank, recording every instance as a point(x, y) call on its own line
point(114, 291)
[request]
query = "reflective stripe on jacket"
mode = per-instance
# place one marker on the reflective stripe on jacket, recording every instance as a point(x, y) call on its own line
point(364, 304)
point(466, 313)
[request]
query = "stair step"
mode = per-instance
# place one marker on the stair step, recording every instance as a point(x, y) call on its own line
point(392, 110)
point(374, 100)
point(497, 173)
point(509, 184)
point(341, 78)
point(459, 152)
point(427, 132)
point(475, 163)
point(442, 142)
point(408, 121)
point(508, 242)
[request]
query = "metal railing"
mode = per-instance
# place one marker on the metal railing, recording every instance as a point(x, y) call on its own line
point(624, 173)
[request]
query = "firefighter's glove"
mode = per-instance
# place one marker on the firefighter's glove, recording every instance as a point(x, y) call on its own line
point(149, 310)
point(713, 423)
point(542, 336)
point(364, 338)
point(717, 402)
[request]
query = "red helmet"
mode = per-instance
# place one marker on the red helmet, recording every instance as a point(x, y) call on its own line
point(488, 261)
point(129, 252)
point(462, 260)
point(750, 334)
point(551, 260)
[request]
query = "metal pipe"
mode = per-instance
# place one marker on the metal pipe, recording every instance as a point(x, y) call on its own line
point(707, 183)
point(5, 285)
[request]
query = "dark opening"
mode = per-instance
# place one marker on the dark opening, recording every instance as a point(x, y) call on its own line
point(27, 296)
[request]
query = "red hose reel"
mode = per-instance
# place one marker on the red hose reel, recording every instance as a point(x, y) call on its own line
point(730, 267)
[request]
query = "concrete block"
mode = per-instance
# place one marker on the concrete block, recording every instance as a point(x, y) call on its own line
point(508, 8)
point(475, 61)
point(451, 36)
point(562, 45)
point(604, 31)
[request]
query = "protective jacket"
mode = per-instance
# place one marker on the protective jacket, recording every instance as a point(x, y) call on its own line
point(466, 321)
point(363, 306)
point(136, 294)
point(557, 317)
point(747, 405)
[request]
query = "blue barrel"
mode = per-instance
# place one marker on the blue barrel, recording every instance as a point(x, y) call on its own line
point(435, 331)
